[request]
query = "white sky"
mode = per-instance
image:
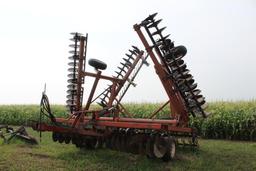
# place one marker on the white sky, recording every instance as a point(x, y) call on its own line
point(34, 37)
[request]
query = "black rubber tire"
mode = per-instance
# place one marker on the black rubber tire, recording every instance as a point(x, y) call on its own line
point(179, 51)
point(97, 64)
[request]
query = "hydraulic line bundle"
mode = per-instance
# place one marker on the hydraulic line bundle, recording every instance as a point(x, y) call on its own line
point(112, 126)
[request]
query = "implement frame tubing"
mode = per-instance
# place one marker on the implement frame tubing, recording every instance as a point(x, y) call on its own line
point(79, 121)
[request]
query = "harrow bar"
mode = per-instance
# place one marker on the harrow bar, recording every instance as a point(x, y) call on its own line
point(127, 72)
point(171, 58)
point(75, 79)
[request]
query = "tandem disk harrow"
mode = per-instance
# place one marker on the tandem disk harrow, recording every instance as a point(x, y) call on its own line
point(112, 126)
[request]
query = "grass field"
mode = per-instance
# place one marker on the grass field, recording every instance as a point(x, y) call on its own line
point(212, 155)
point(229, 120)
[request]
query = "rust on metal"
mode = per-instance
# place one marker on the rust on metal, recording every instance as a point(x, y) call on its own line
point(112, 124)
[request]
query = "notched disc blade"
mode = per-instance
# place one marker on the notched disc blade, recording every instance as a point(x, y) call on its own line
point(154, 24)
point(129, 56)
point(158, 31)
point(151, 17)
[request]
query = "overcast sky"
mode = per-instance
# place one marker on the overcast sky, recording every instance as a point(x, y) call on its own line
point(34, 37)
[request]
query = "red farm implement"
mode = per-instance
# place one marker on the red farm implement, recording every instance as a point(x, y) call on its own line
point(112, 126)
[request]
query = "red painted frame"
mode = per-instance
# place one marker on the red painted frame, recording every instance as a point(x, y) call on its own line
point(80, 122)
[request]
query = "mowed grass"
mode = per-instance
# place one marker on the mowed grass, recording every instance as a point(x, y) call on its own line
point(212, 155)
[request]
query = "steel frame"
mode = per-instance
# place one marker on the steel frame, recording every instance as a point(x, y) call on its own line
point(102, 123)
point(79, 119)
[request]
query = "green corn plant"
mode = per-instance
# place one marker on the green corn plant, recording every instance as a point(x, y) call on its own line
point(229, 120)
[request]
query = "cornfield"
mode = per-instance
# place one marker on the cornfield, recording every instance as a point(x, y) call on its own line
point(229, 120)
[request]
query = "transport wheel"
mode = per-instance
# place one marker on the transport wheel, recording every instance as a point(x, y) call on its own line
point(171, 149)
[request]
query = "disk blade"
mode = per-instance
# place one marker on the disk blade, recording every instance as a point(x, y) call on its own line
point(158, 31)
point(151, 17)
point(154, 24)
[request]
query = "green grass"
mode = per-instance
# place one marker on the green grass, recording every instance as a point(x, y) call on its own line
point(212, 155)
